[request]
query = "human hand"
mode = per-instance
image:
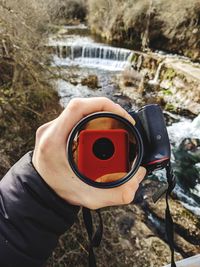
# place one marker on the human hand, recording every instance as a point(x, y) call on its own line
point(50, 160)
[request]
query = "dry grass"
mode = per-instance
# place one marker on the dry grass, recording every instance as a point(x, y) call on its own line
point(26, 97)
point(127, 242)
point(66, 11)
point(166, 25)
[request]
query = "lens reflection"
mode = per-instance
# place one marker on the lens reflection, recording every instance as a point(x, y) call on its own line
point(104, 150)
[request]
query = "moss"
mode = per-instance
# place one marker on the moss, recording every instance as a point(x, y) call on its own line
point(169, 74)
point(170, 107)
point(189, 54)
point(134, 58)
point(167, 92)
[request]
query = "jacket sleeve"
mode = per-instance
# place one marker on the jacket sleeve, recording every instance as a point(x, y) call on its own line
point(32, 217)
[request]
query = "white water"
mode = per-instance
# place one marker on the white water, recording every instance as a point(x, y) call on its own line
point(79, 26)
point(184, 129)
point(155, 222)
point(196, 190)
point(155, 80)
point(178, 132)
point(84, 52)
point(67, 91)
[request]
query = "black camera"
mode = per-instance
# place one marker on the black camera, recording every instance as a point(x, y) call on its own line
point(105, 150)
point(151, 126)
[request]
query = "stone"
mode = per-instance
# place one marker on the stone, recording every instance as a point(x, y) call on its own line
point(187, 155)
point(91, 81)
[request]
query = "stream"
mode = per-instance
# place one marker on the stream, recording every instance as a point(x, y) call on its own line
point(76, 56)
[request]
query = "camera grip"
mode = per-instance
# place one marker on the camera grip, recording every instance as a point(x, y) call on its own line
point(152, 128)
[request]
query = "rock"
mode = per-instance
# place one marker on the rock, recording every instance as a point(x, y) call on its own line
point(127, 241)
point(73, 81)
point(91, 81)
point(125, 223)
point(62, 31)
point(131, 77)
point(123, 101)
point(187, 231)
point(187, 155)
point(170, 118)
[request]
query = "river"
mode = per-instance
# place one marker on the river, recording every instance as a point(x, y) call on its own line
point(77, 55)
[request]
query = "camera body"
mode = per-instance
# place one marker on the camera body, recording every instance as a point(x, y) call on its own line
point(107, 151)
point(151, 126)
point(118, 148)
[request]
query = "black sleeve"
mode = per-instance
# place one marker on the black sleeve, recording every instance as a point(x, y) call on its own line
point(32, 217)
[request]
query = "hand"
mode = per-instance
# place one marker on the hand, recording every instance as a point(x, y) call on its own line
point(50, 160)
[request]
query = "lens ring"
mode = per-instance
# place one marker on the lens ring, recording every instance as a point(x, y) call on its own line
point(79, 126)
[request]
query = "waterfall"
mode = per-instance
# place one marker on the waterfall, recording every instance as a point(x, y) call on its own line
point(155, 80)
point(96, 56)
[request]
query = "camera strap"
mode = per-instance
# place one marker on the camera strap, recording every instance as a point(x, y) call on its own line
point(94, 238)
point(169, 225)
point(167, 189)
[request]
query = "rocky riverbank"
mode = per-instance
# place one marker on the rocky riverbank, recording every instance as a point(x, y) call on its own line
point(171, 81)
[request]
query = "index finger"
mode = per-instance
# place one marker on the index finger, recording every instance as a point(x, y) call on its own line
point(111, 177)
point(79, 108)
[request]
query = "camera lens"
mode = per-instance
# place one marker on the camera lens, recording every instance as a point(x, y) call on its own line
point(103, 148)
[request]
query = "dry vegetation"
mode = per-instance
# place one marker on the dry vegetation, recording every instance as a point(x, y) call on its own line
point(171, 26)
point(68, 11)
point(26, 97)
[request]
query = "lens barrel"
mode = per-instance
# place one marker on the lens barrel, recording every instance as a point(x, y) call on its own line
point(104, 149)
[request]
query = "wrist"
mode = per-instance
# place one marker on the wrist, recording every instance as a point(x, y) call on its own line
point(57, 181)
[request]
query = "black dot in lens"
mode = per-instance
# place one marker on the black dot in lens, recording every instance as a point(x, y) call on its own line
point(103, 148)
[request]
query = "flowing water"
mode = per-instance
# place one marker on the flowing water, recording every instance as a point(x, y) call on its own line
point(179, 131)
point(78, 56)
point(84, 52)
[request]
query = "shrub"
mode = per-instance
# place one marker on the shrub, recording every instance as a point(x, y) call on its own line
point(26, 97)
point(67, 10)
